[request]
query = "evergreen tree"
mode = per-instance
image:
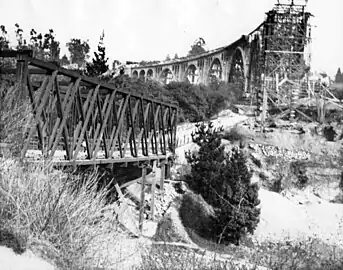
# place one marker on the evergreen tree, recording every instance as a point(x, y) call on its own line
point(4, 42)
point(197, 47)
point(224, 181)
point(206, 165)
point(99, 62)
point(339, 76)
point(238, 213)
point(64, 60)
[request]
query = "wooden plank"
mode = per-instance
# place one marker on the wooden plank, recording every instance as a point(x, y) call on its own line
point(114, 128)
point(87, 162)
point(85, 123)
point(152, 136)
point(163, 120)
point(120, 123)
point(37, 116)
point(305, 115)
point(14, 53)
point(130, 116)
point(162, 176)
point(65, 113)
point(100, 123)
point(145, 128)
point(34, 110)
point(104, 123)
point(141, 208)
point(153, 188)
point(83, 108)
point(118, 191)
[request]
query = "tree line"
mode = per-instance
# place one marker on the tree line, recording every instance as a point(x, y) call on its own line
point(47, 48)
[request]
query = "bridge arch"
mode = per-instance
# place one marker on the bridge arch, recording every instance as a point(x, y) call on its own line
point(142, 74)
point(135, 74)
point(237, 69)
point(166, 76)
point(149, 74)
point(216, 71)
point(192, 74)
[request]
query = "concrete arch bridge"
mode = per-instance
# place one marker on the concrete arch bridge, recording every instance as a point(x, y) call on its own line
point(230, 63)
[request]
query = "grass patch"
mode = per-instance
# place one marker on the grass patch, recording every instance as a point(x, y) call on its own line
point(310, 254)
point(41, 209)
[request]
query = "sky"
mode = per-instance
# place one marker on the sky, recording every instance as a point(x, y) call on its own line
point(138, 30)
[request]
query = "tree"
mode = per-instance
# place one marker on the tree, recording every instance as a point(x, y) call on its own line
point(52, 46)
point(78, 51)
point(176, 56)
point(224, 181)
point(167, 58)
point(64, 60)
point(206, 163)
point(239, 213)
point(197, 47)
point(21, 42)
point(99, 62)
point(339, 76)
point(4, 43)
point(36, 44)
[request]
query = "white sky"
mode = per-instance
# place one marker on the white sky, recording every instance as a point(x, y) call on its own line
point(150, 29)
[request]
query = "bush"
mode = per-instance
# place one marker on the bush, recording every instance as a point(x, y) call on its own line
point(224, 181)
point(15, 113)
point(234, 134)
point(196, 102)
point(197, 215)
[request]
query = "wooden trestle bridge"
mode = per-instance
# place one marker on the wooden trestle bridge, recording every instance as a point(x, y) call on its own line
point(77, 120)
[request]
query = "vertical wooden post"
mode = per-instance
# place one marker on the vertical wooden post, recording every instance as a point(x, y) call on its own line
point(163, 170)
point(21, 75)
point(141, 206)
point(168, 176)
point(277, 88)
point(264, 106)
point(153, 188)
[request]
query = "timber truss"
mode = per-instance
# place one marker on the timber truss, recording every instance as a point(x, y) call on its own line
point(77, 120)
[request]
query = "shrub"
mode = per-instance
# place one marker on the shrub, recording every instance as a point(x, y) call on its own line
point(341, 182)
point(234, 134)
point(196, 102)
point(298, 168)
point(224, 181)
point(197, 215)
point(15, 112)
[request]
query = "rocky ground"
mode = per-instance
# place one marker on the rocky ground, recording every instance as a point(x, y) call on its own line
point(298, 171)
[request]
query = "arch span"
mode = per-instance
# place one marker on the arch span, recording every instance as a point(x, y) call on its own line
point(237, 68)
point(149, 74)
point(216, 71)
point(142, 74)
point(166, 76)
point(192, 74)
point(135, 74)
